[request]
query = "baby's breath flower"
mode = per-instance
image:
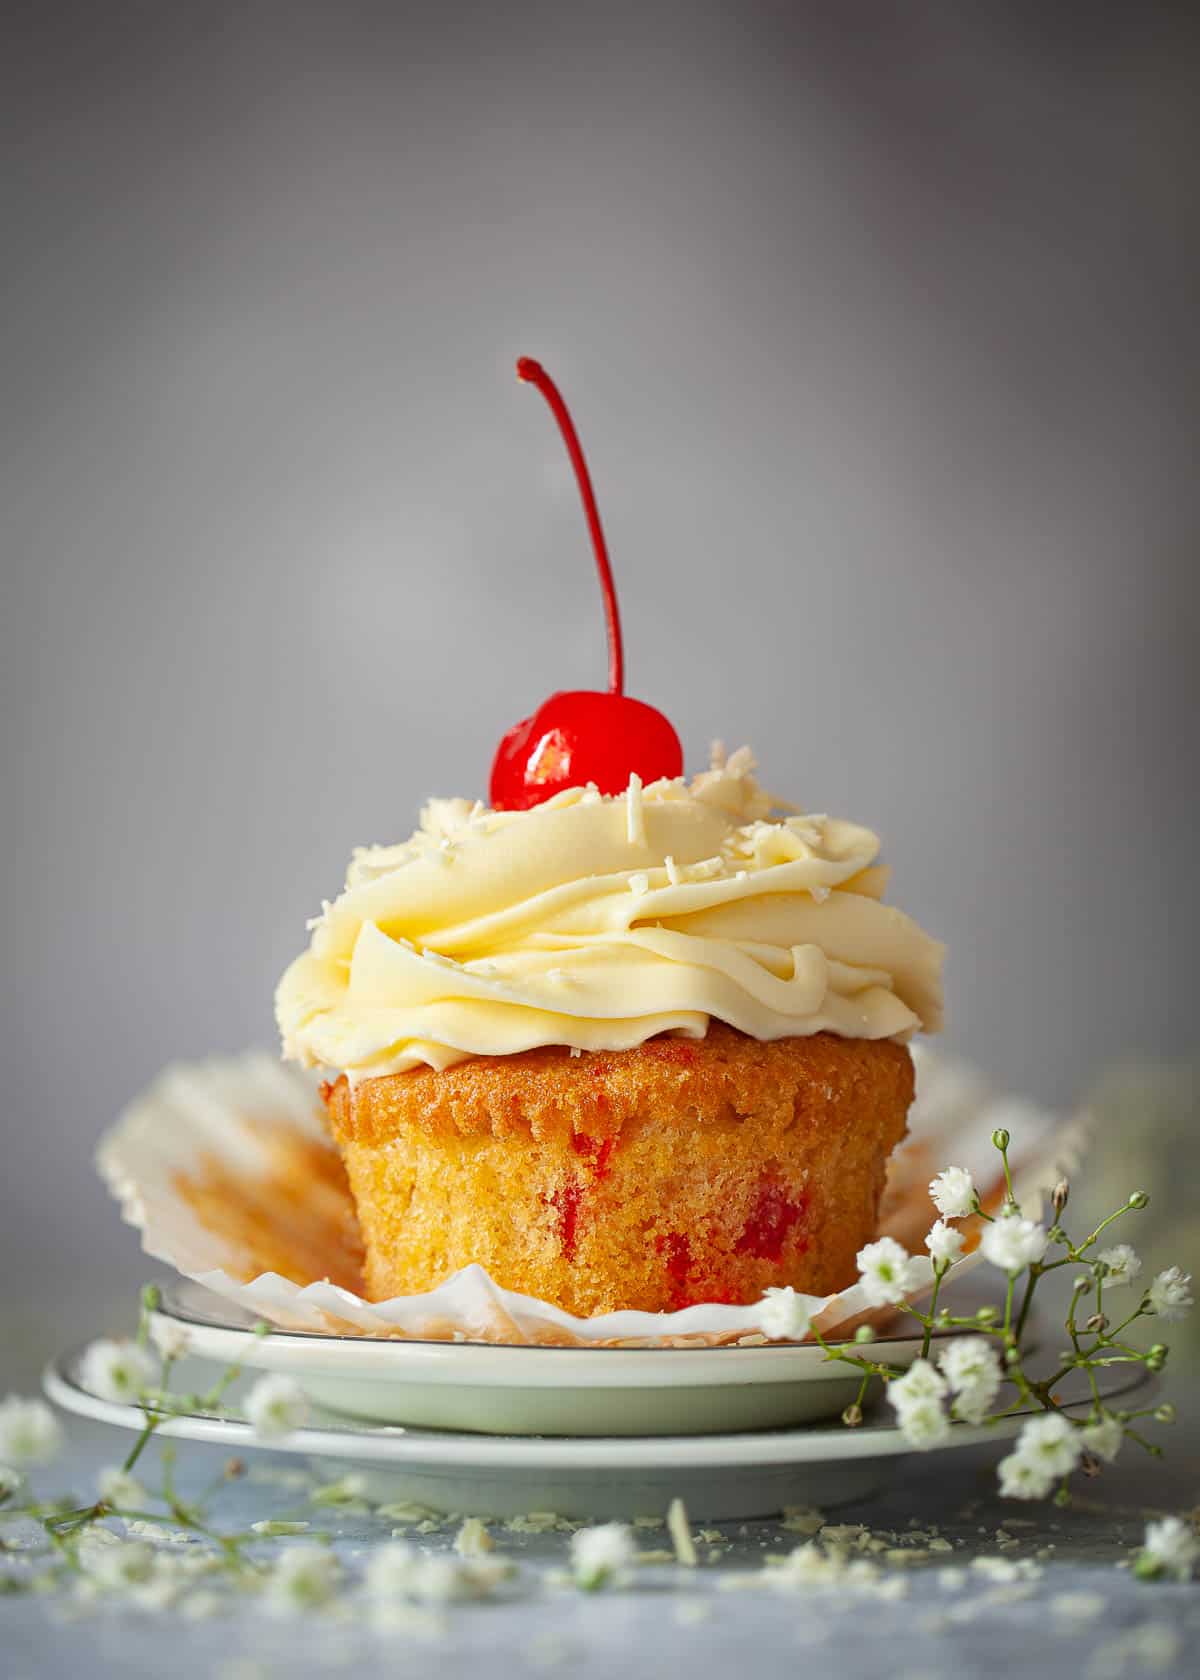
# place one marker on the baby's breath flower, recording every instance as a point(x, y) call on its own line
point(920, 1382)
point(171, 1340)
point(120, 1371)
point(944, 1243)
point(118, 1487)
point(1103, 1437)
point(1012, 1243)
point(1051, 1441)
point(971, 1366)
point(447, 1580)
point(923, 1422)
point(1123, 1265)
point(602, 1556)
point(305, 1578)
point(953, 1192)
point(917, 1400)
point(29, 1432)
point(886, 1272)
point(783, 1316)
point(1021, 1477)
point(128, 1563)
point(275, 1407)
point(390, 1570)
point(1170, 1549)
point(1170, 1295)
point(399, 1571)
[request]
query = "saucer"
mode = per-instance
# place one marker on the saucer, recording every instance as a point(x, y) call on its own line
point(721, 1477)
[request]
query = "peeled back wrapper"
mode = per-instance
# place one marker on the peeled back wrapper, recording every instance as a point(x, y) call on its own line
point(226, 1169)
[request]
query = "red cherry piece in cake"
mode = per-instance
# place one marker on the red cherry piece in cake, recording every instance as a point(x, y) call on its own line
point(566, 1202)
point(600, 1153)
point(581, 736)
point(677, 1250)
point(772, 1220)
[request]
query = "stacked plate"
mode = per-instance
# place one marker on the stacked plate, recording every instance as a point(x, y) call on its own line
point(496, 1431)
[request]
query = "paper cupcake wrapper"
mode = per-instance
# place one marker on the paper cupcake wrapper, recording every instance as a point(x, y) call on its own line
point(225, 1168)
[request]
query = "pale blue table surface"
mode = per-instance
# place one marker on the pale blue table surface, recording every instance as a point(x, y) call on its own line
point(678, 1620)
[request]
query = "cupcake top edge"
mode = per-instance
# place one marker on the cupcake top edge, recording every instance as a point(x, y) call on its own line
point(598, 921)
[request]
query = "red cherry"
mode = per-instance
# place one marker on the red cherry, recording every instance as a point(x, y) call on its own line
point(580, 736)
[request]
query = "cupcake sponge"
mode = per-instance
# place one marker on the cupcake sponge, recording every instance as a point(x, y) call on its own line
point(683, 1170)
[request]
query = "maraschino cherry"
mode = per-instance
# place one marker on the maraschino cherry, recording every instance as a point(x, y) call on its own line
point(580, 736)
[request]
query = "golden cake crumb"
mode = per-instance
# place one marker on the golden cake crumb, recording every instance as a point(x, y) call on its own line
point(683, 1170)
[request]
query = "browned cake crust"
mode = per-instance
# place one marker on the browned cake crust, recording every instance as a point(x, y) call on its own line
point(684, 1170)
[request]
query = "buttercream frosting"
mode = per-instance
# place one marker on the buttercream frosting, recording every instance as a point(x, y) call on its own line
point(597, 922)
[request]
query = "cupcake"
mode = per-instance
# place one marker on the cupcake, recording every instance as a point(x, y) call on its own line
point(624, 1039)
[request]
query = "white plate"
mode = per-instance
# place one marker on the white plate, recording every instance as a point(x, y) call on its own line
point(721, 1477)
point(530, 1390)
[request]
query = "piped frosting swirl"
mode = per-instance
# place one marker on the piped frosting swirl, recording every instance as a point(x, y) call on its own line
point(597, 922)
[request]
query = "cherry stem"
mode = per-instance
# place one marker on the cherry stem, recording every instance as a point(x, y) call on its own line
point(533, 373)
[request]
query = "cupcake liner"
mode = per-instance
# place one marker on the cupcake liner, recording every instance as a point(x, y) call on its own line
point(225, 1168)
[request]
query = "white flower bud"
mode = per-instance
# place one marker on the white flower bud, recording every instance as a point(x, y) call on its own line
point(275, 1407)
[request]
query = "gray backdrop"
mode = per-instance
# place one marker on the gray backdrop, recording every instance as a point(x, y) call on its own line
point(880, 327)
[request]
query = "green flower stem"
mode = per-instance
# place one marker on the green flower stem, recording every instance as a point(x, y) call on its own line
point(1035, 1272)
point(64, 1549)
point(140, 1444)
point(1076, 1256)
point(1123, 1347)
point(869, 1367)
point(1003, 1148)
point(212, 1399)
point(66, 1522)
point(151, 1299)
point(153, 1418)
point(170, 1496)
point(939, 1273)
point(166, 1461)
point(1125, 1207)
